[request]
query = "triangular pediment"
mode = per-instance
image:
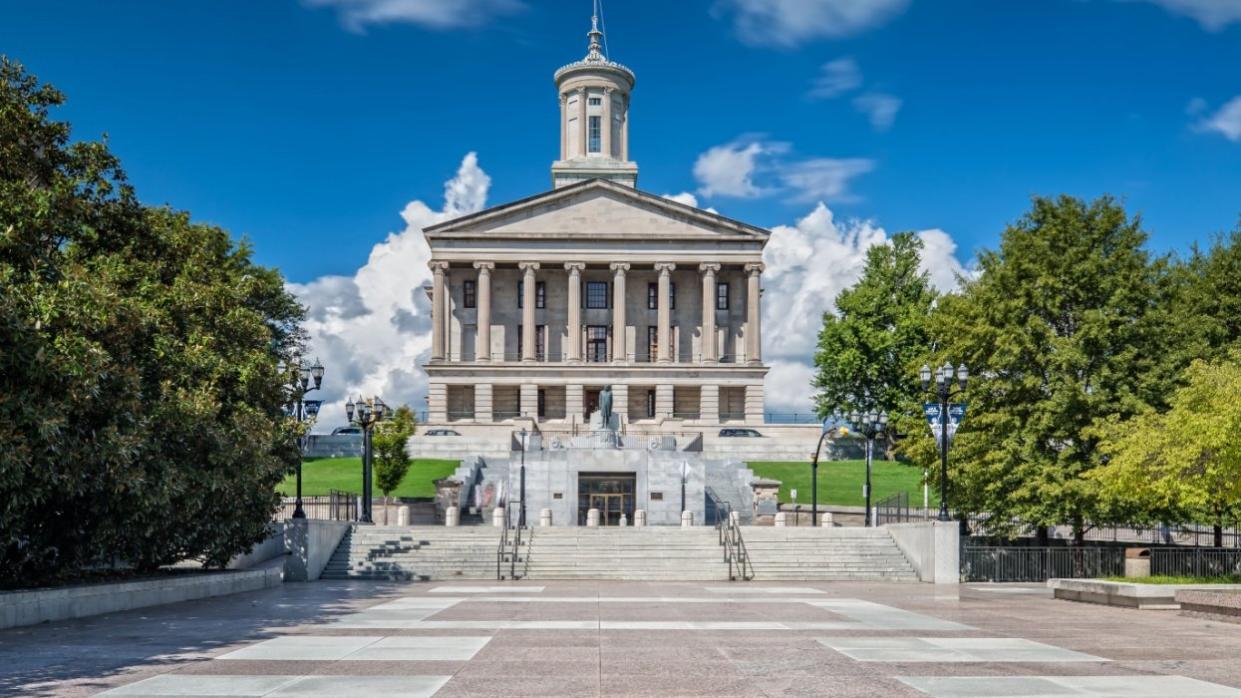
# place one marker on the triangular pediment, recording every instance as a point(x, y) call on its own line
point(596, 208)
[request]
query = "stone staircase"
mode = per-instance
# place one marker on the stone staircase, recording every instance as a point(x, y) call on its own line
point(826, 554)
point(415, 553)
point(436, 553)
point(640, 554)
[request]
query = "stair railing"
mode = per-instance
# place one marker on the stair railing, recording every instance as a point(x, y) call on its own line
point(501, 548)
point(744, 567)
point(735, 553)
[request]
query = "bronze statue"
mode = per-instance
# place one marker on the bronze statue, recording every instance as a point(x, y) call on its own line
point(605, 406)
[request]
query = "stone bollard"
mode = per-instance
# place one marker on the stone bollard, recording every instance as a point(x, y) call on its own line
point(545, 518)
point(592, 518)
point(639, 518)
point(687, 519)
point(402, 515)
point(624, 521)
point(827, 519)
point(497, 517)
point(781, 519)
point(452, 516)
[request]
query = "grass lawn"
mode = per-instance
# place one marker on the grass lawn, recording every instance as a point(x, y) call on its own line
point(1234, 579)
point(840, 482)
point(345, 475)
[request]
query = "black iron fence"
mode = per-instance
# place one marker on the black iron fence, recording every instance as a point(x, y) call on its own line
point(1196, 562)
point(334, 506)
point(894, 509)
point(1039, 563)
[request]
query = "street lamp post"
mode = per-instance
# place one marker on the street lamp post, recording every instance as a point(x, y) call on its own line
point(684, 479)
point(814, 472)
point(870, 424)
point(521, 518)
point(366, 414)
point(942, 389)
point(299, 377)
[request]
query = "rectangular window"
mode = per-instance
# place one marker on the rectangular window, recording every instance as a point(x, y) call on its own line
point(652, 296)
point(721, 296)
point(596, 294)
point(595, 143)
point(540, 341)
point(468, 290)
point(542, 403)
point(672, 296)
point(652, 342)
point(596, 101)
point(650, 404)
point(540, 294)
point(597, 343)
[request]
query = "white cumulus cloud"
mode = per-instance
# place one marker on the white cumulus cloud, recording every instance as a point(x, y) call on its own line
point(373, 329)
point(793, 22)
point(808, 265)
point(824, 178)
point(729, 170)
point(356, 15)
point(1226, 121)
point(836, 78)
point(879, 108)
point(687, 199)
point(1213, 15)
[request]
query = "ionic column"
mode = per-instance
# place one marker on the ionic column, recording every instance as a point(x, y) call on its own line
point(584, 131)
point(753, 329)
point(437, 311)
point(709, 353)
point(620, 347)
point(574, 323)
point(607, 122)
point(528, 328)
point(625, 130)
point(482, 342)
point(665, 270)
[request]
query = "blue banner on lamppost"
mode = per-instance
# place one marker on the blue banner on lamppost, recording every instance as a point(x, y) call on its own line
point(956, 413)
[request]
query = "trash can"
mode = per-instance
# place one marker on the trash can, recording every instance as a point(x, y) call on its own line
point(1137, 562)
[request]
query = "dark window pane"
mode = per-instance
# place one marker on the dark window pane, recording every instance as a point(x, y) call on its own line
point(597, 294)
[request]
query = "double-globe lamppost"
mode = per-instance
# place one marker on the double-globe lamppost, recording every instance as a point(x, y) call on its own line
point(300, 379)
point(366, 414)
point(942, 388)
point(828, 431)
point(869, 424)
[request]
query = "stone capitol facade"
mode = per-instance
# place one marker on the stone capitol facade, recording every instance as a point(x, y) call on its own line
point(539, 304)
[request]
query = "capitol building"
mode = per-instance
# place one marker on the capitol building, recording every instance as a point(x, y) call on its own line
point(541, 304)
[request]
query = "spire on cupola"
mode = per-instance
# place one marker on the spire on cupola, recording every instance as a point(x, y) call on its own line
point(594, 115)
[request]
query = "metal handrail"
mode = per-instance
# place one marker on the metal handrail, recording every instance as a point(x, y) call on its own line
point(743, 554)
point(501, 548)
point(512, 571)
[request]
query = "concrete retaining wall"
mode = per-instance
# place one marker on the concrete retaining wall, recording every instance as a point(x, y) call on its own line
point(1158, 597)
point(310, 543)
point(261, 552)
point(20, 608)
point(932, 547)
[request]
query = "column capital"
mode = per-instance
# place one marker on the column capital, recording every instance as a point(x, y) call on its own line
point(528, 266)
point(709, 268)
point(484, 267)
point(619, 267)
point(438, 267)
point(575, 267)
point(665, 267)
point(755, 268)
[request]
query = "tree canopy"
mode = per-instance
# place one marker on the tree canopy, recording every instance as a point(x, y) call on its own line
point(139, 406)
point(869, 348)
point(388, 444)
point(1066, 325)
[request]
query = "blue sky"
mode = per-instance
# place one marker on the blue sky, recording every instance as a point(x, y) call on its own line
point(310, 125)
point(278, 120)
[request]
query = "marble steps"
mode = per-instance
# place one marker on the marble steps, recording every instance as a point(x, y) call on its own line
point(826, 554)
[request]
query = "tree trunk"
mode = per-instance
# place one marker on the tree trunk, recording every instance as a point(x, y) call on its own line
point(385, 509)
point(1219, 535)
point(1079, 530)
point(1044, 539)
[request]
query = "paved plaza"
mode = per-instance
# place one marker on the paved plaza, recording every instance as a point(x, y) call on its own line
point(610, 638)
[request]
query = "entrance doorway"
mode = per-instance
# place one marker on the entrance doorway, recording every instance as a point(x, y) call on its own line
point(612, 494)
point(592, 402)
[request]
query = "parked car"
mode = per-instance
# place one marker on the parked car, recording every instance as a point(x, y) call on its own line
point(346, 431)
point(749, 433)
point(442, 432)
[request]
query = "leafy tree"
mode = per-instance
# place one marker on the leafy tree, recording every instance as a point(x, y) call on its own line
point(1183, 465)
point(388, 445)
point(139, 407)
point(1207, 305)
point(1067, 325)
point(869, 348)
